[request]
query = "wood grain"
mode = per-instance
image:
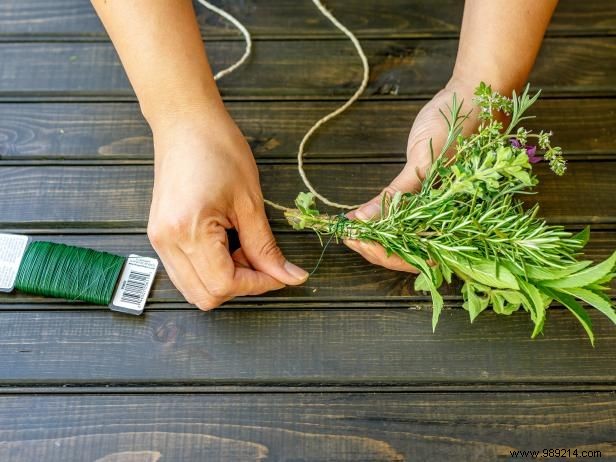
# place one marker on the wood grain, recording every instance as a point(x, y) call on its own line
point(278, 69)
point(75, 168)
point(286, 18)
point(343, 277)
point(119, 195)
point(585, 128)
point(310, 427)
point(300, 347)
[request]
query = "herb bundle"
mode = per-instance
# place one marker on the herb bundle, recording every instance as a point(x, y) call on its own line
point(467, 220)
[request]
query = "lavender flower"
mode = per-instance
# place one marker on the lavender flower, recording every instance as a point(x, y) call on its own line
point(531, 152)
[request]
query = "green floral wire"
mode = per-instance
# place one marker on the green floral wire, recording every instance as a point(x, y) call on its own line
point(336, 225)
point(72, 273)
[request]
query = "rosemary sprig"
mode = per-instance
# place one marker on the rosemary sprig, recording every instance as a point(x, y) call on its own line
point(468, 221)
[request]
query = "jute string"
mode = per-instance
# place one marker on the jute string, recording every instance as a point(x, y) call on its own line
point(322, 121)
point(75, 273)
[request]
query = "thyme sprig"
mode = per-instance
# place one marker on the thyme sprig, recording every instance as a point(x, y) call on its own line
point(467, 220)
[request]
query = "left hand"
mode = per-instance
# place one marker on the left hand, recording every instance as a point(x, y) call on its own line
point(429, 124)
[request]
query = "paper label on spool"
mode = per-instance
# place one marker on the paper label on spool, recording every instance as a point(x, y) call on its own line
point(134, 285)
point(12, 249)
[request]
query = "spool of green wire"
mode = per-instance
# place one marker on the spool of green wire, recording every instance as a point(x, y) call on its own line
point(72, 273)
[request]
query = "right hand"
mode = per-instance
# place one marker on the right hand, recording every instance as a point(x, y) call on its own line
point(206, 181)
point(428, 127)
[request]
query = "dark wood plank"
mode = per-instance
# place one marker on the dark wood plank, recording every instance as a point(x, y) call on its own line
point(395, 18)
point(400, 68)
point(119, 195)
point(585, 128)
point(308, 427)
point(342, 275)
point(300, 347)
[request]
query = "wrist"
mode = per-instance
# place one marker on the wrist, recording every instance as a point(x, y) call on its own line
point(168, 109)
point(205, 118)
point(469, 78)
point(204, 128)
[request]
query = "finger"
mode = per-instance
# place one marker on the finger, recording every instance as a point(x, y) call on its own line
point(255, 282)
point(240, 259)
point(377, 255)
point(217, 270)
point(407, 181)
point(184, 277)
point(261, 250)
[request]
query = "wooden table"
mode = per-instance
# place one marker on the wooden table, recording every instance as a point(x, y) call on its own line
point(345, 367)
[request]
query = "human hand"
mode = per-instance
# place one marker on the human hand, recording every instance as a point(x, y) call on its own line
point(429, 125)
point(206, 182)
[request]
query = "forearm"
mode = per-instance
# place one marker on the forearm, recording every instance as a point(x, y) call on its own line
point(160, 46)
point(499, 41)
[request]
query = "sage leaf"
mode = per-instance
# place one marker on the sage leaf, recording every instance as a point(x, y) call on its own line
point(578, 311)
point(488, 273)
point(421, 283)
point(546, 274)
point(536, 302)
point(475, 304)
point(600, 302)
point(585, 277)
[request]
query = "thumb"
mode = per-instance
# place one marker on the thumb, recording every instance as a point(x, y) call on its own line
point(262, 252)
point(407, 181)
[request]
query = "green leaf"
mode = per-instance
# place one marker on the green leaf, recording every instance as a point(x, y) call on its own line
point(578, 311)
point(505, 302)
point(420, 264)
point(446, 272)
point(600, 302)
point(524, 177)
point(475, 304)
point(437, 307)
point(305, 203)
point(487, 273)
point(536, 302)
point(498, 303)
point(395, 200)
point(441, 265)
point(511, 296)
point(585, 277)
point(546, 274)
point(421, 283)
point(583, 236)
point(431, 282)
point(605, 279)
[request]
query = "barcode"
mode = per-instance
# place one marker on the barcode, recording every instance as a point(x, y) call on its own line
point(135, 287)
point(135, 284)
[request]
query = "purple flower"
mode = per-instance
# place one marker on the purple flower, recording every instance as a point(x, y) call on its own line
point(531, 152)
point(515, 143)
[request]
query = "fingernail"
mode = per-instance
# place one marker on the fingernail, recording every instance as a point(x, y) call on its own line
point(367, 212)
point(295, 271)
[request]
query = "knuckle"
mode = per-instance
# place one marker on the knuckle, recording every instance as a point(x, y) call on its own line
point(188, 297)
point(222, 288)
point(172, 227)
point(390, 190)
point(250, 204)
point(177, 225)
point(209, 224)
point(270, 248)
point(155, 234)
point(207, 303)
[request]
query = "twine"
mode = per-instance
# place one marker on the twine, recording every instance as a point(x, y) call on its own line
point(322, 121)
